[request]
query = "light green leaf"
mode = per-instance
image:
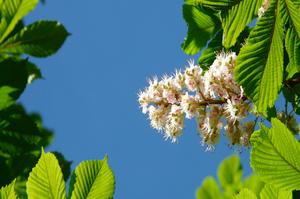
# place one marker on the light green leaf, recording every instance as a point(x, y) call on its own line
point(275, 156)
point(271, 192)
point(202, 25)
point(292, 44)
point(230, 174)
point(260, 62)
point(209, 189)
point(46, 179)
point(40, 39)
point(245, 194)
point(254, 184)
point(236, 18)
point(12, 12)
point(211, 3)
point(92, 179)
point(8, 192)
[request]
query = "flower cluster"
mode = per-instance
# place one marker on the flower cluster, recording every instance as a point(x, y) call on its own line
point(212, 97)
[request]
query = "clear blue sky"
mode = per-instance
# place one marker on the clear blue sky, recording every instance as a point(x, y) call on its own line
point(89, 95)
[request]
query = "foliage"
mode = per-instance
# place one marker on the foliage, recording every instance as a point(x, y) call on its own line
point(22, 134)
point(230, 182)
point(276, 146)
point(91, 179)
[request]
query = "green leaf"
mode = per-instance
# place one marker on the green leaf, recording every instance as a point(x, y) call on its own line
point(20, 133)
point(202, 26)
point(254, 184)
point(92, 179)
point(230, 174)
point(40, 39)
point(236, 18)
point(260, 62)
point(13, 80)
point(275, 156)
point(292, 44)
point(46, 179)
point(64, 164)
point(209, 54)
point(8, 192)
point(211, 3)
point(12, 12)
point(245, 194)
point(34, 72)
point(270, 191)
point(209, 189)
point(292, 11)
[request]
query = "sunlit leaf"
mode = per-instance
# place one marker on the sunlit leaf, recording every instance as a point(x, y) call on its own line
point(260, 62)
point(12, 11)
point(275, 156)
point(92, 179)
point(202, 25)
point(209, 189)
point(8, 192)
point(46, 179)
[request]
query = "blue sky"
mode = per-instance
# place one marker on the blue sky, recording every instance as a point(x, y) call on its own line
point(89, 95)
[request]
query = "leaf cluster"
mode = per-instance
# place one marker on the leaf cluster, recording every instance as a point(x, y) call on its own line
point(91, 179)
point(22, 135)
point(268, 47)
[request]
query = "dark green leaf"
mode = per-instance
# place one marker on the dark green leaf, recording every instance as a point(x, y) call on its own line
point(13, 80)
point(40, 39)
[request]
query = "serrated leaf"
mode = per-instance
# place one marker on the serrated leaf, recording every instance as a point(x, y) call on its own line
point(292, 45)
point(275, 156)
point(8, 192)
point(270, 191)
point(236, 18)
point(230, 174)
point(209, 189)
point(245, 194)
point(92, 179)
point(40, 39)
point(260, 62)
point(12, 12)
point(202, 25)
point(46, 179)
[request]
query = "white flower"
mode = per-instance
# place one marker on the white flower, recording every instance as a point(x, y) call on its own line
point(189, 105)
point(206, 127)
point(158, 117)
point(174, 124)
point(192, 76)
point(170, 90)
point(231, 110)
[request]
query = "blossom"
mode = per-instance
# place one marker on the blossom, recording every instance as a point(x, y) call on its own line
point(212, 97)
point(231, 110)
point(189, 105)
